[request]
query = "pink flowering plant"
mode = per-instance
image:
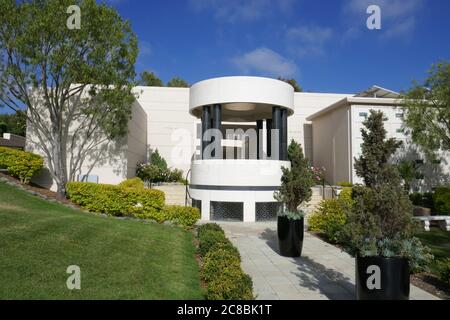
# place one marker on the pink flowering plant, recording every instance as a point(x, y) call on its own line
point(319, 173)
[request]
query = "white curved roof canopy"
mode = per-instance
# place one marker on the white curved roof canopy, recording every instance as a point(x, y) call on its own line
point(242, 98)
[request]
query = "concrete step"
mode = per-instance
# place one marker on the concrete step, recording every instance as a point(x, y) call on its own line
point(175, 193)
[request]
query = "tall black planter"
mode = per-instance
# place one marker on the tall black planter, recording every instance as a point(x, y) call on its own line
point(290, 236)
point(379, 278)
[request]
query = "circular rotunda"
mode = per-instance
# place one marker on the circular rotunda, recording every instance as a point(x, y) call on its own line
point(243, 146)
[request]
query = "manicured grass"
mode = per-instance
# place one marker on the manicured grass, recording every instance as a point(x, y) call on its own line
point(119, 259)
point(439, 243)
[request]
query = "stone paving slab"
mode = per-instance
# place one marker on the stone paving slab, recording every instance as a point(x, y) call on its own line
point(323, 272)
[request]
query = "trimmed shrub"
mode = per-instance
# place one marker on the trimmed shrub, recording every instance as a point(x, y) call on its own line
point(180, 215)
point(444, 271)
point(209, 227)
point(224, 277)
point(441, 199)
point(118, 200)
point(133, 183)
point(330, 216)
point(221, 269)
point(209, 239)
point(217, 260)
point(227, 246)
point(20, 164)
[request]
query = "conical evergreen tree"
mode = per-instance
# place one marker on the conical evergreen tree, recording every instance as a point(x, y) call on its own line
point(297, 181)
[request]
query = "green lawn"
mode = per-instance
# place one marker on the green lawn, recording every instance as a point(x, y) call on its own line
point(439, 242)
point(119, 259)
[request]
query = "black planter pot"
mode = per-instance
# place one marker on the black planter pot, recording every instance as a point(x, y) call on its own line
point(379, 278)
point(290, 236)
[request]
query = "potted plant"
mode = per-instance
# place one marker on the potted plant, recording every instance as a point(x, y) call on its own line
point(379, 229)
point(296, 183)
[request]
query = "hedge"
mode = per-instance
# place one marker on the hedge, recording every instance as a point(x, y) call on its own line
point(117, 200)
point(209, 239)
point(221, 268)
point(130, 198)
point(180, 215)
point(209, 227)
point(441, 198)
point(133, 183)
point(20, 164)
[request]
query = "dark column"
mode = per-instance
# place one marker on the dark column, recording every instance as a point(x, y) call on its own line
point(259, 126)
point(206, 125)
point(269, 137)
point(283, 135)
point(276, 124)
point(217, 124)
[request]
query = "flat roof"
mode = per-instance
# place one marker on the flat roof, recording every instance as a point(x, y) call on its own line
point(358, 101)
point(378, 92)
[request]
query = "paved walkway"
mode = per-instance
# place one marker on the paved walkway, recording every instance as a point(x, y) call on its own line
point(322, 272)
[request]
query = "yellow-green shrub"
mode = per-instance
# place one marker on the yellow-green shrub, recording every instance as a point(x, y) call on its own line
point(330, 216)
point(118, 200)
point(20, 164)
point(224, 277)
point(221, 269)
point(180, 215)
point(133, 183)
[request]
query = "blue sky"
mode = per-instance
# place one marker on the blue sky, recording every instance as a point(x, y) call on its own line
point(324, 44)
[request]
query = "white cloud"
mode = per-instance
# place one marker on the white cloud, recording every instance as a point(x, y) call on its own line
point(242, 10)
point(265, 62)
point(397, 16)
point(307, 40)
point(403, 29)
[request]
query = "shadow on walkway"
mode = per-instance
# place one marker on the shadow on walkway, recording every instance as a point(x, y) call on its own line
point(315, 276)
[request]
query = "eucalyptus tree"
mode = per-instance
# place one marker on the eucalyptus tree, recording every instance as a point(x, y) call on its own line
point(70, 64)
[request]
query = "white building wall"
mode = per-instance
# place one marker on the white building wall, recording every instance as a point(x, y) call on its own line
point(136, 139)
point(435, 174)
point(170, 127)
point(331, 148)
point(306, 104)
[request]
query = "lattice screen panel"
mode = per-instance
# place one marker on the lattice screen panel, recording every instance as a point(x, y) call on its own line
point(227, 211)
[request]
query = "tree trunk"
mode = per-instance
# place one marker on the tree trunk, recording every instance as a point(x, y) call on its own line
point(59, 165)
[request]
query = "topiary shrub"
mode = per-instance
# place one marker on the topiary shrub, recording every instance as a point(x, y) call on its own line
point(20, 164)
point(180, 215)
point(135, 182)
point(441, 198)
point(117, 200)
point(380, 222)
point(296, 183)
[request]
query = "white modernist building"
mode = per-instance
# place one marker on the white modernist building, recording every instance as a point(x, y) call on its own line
point(250, 121)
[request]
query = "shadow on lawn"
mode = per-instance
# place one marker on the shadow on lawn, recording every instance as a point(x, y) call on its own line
point(315, 276)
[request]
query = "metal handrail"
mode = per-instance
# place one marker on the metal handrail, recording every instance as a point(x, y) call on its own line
point(187, 194)
point(333, 190)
